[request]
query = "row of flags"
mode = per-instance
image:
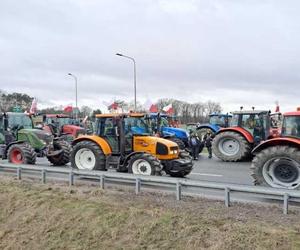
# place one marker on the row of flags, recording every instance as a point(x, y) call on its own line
point(153, 108)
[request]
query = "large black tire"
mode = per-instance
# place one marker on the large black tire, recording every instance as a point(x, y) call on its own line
point(277, 166)
point(231, 146)
point(21, 153)
point(179, 142)
point(87, 155)
point(144, 164)
point(63, 158)
point(201, 132)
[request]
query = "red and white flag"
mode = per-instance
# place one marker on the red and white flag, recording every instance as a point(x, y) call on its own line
point(277, 109)
point(153, 108)
point(68, 109)
point(168, 109)
point(33, 108)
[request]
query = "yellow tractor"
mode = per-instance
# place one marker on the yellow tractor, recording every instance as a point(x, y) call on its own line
point(123, 142)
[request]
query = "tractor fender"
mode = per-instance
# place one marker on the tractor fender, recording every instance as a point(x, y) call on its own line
point(103, 144)
point(289, 141)
point(130, 155)
point(208, 126)
point(240, 131)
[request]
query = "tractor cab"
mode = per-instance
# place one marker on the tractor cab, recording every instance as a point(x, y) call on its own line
point(61, 124)
point(291, 125)
point(255, 122)
point(220, 120)
point(119, 131)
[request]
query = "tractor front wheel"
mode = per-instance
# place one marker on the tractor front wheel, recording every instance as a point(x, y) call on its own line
point(231, 146)
point(87, 155)
point(21, 153)
point(64, 157)
point(278, 167)
point(144, 164)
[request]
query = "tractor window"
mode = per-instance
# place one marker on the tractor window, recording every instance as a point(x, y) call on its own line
point(19, 119)
point(164, 122)
point(291, 126)
point(136, 125)
point(218, 120)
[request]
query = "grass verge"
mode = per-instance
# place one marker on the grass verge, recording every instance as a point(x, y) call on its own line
point(53, 216)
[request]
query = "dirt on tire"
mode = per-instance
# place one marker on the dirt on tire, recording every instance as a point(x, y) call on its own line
point(27, 151)
point(63, 158)
point(244, 147)
point(267, 154)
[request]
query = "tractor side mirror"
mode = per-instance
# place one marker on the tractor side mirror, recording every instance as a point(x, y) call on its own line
point(5, 123)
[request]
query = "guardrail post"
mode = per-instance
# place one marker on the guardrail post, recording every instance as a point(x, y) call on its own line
point(285, 204)
point(71, 178)
point(227, 197)
point(102, 181)
point(178, 191)
point(19, 173)
point(44, 176)
point(137, 185)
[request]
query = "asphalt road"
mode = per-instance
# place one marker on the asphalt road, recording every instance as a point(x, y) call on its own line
point(206, 169)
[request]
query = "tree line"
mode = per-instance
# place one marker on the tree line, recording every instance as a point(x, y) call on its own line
point(185, 112)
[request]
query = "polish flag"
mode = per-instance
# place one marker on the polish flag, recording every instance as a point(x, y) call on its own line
point(68, 109)
point(153, 108)
point(168, 109)
point(33, 108)
point(277, 109)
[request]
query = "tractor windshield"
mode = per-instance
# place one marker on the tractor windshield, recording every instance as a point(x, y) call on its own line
point(219, 120)
point(291, 126)
point(136, 125)
point(16, 120)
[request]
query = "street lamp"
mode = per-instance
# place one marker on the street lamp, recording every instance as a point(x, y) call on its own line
point(75, 78)
point(134, 75)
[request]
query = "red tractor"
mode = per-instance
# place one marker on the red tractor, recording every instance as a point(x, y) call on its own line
point(61, 124)
point(247, 129)
point(277, 161)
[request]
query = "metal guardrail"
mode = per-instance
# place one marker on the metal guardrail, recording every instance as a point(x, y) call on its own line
point(178, 183)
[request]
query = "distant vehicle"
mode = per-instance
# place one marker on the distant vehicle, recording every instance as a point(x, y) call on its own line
point(160, 124)
point(61, 124)
point(216, 122)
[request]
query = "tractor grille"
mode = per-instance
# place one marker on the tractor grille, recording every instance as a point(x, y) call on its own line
point(44, 136)
point(161, 149)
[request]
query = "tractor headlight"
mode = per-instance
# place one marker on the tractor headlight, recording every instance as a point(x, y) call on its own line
point(174, 152)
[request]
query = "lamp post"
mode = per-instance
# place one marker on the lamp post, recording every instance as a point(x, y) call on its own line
point(134, 76)
point(75, 78)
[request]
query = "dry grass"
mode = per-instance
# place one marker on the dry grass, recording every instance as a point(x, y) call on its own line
point(33, 216)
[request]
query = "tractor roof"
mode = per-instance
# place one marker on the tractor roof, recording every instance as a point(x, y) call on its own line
point(294, 113)
point(57, 116)
point(251, 112)
point(120, 114)
point(219, 114)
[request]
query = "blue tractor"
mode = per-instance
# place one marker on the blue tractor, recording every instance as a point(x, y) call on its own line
point(160, 125)
point(216, 122)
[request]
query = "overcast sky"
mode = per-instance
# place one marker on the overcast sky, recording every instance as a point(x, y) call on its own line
point(236, 52)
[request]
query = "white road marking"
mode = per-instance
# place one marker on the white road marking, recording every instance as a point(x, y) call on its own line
point(213, 175)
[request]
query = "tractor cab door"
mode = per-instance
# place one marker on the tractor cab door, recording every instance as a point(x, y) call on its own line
point(255, 124)
point(108, 130)
point(2, 137)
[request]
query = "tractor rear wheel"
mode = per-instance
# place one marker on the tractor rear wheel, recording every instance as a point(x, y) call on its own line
point(201, 132)
point(144, 164)
point(179, 142)
point(21, 153)
point(231, 146)
point(87, 155)
point(278, 167)
point(64, 157)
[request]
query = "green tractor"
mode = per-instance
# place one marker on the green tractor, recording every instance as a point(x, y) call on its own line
point(20, 143)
